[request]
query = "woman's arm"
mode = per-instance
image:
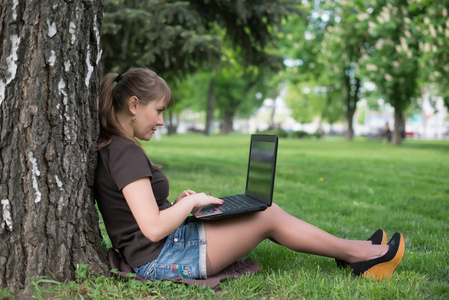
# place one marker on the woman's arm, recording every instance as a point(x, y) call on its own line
point(155, 224)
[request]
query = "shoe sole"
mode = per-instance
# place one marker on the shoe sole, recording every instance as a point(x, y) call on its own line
point(384, 271)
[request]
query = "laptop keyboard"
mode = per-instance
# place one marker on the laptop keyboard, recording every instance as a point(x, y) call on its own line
point(233, 202)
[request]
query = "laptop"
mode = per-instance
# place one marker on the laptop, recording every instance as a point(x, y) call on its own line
point(259, 182)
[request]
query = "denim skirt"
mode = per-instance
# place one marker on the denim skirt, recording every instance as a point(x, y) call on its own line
point(183, 254)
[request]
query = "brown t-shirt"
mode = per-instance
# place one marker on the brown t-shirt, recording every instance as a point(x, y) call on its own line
point(120, 163)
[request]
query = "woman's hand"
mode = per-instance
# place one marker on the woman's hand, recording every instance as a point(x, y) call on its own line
point(184, 194)
point(203, 199)
point(200, 199)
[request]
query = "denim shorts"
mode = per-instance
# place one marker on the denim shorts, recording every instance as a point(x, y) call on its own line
point(183, 254)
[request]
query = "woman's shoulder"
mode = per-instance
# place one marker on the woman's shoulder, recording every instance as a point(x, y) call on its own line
point(121, 142)
point(120, 146)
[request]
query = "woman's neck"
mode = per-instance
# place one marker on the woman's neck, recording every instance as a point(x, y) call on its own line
point(125, 123)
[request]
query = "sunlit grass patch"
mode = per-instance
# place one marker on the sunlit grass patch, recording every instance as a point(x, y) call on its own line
point(349, 189)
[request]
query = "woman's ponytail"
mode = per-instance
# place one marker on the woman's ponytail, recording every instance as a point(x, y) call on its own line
point(109, 125)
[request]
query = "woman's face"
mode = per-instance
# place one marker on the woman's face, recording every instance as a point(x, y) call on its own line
point(149, 117)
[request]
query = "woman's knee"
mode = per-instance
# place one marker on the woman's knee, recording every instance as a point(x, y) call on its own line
point(274, 209)
point(272, 214)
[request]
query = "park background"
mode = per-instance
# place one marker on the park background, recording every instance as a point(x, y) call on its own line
point(338, 67)
point(326, 76)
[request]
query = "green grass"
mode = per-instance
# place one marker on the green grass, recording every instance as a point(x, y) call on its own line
point(346, 188)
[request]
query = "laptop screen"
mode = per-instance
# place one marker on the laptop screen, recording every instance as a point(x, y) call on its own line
point(261, 167)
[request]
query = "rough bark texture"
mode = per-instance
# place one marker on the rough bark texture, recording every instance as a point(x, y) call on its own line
point(49, 83)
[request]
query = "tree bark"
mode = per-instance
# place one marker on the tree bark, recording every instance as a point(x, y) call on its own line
point(49, 84)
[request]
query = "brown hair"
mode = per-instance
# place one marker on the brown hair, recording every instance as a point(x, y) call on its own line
point(116, 89)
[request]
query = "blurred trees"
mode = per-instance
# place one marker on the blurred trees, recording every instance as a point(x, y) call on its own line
point(431, 25)
point(342, 49)
point(235, 93)
point(392, 57)
point(312, 91)
point(324, 55)
point(170, 37)
point(176, 38)
point(396, 44)
point(328, 49)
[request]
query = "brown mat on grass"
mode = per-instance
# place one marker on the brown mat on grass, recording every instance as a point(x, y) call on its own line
point(237, 269)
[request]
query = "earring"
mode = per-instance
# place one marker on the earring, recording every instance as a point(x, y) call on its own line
point(134, 120)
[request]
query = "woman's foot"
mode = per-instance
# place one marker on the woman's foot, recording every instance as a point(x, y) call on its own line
point(382, 267)
point(378, 238)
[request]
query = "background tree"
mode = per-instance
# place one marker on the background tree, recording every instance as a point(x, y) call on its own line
point(341, 50)
point(177, 37)
point(169, 36)
point(303, 70)
point(190, 93)
point(392, 61)
point(300, 103)
point(235, 93)
point(248, 29)
point(49, 81)
point(317, 67)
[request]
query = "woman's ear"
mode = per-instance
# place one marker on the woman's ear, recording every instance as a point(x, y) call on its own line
point(132, 104)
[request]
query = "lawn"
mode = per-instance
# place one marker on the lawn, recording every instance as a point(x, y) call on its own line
point(349, 189)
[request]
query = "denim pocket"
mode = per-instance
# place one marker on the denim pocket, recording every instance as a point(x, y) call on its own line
point(172, 271)
point(149, 271)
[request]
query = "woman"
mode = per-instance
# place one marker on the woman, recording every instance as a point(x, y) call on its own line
point(159, 239)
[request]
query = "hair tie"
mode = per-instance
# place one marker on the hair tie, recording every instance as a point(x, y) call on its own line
point(117, 79)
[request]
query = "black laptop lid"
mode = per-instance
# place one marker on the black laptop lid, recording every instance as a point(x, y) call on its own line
point(262, 167)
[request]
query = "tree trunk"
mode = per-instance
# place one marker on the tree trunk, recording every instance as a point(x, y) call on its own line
point(351, 104)
point(399, 127)
point(172, 126)
point(226, 123)
point(49, 84)
point(210, 107)
point(350, 130)
point(273, 111)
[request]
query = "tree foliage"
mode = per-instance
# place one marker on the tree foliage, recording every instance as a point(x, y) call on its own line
point(342, 49)
point(235, 92)
point(392, 57)
point(431, 27)
point(396, 44)
point(325, 50)
point(170, 37)
point(177, 37)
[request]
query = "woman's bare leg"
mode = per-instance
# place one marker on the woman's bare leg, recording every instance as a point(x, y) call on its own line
point(230, 239)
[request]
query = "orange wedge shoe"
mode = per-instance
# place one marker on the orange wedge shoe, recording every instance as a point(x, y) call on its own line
point(378, 238)
point(382, 268)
